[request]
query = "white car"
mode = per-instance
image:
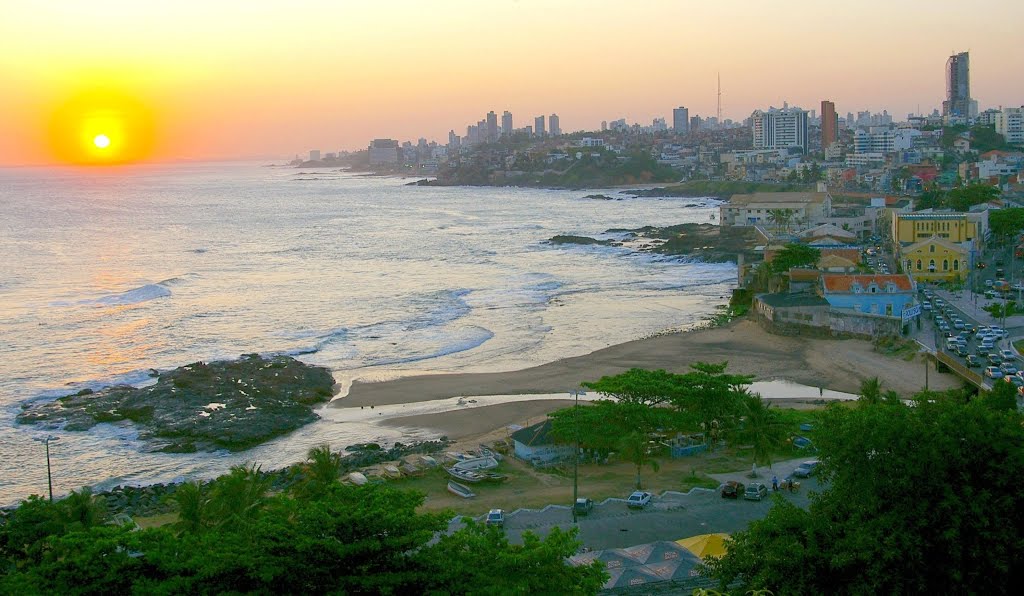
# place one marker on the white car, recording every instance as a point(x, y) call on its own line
point(1008, 354)
point(993, 372)
point(640, 499)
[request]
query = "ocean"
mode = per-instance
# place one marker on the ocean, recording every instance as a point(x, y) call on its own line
point(108, 273)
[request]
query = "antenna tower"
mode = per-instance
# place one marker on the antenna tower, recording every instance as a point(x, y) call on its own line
point(719, 98)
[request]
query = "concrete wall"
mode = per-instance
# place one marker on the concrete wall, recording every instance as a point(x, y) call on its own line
point(855, 324)
point(824, 322)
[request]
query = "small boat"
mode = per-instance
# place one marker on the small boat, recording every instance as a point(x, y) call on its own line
point(460, 490)
point(465, 475)
point(392, 471)
point(411, 470)
point(428, 461)
point(477, 463)
point(357, 478)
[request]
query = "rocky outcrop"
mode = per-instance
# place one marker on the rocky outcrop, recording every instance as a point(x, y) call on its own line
point(202, 406)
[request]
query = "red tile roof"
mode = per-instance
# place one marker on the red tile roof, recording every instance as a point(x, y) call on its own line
point(843, 283)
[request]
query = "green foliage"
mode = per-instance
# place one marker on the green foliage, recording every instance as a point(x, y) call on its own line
point(795, 255)
point(1006, 223)
point(761, 428)
point(1003, 397)
point(965, 197)
point(344, 540)
point(919, 499)
point(1002, 309)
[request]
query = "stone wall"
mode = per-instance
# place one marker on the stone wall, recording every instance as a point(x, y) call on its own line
point(824, 322)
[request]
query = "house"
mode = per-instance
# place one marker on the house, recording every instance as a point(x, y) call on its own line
point(758, 208)
point(956, 227)
point(936, 259)
point(830, 231)
point(836, 264)
point(536, 445)
point(885, 295)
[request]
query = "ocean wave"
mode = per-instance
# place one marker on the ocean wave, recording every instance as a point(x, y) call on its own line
point(135, 296)
point(464, 339)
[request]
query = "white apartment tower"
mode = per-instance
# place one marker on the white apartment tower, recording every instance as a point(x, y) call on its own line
point(553, 126)
point(779, 129)
point(538, 126)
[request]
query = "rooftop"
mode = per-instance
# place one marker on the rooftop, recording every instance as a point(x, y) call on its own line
point(843, 284)
point(798, 198)
point(783, 300)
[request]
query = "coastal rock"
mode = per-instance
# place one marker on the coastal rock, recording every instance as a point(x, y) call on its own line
point(569, 239)
point(203, 406)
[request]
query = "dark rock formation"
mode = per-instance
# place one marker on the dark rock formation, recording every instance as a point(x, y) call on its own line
point(231, 405)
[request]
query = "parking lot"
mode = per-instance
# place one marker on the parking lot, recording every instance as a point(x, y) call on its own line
point(669, 516)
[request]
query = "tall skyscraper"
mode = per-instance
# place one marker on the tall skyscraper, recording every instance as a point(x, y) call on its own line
point(492, 127)
point(829, 124)
point(958, 86)
point(506, 124)
point(779, 129)
point(453, 140)
point(681, 120)
point(553, 125)
point(538, 126)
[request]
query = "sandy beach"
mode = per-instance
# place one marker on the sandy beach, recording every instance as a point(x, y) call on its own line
point(839, 365)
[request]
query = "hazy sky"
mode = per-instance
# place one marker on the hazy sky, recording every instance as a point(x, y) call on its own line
point(221, 79)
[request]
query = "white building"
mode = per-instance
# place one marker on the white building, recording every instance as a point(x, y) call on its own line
point(779, 129)
point(1010, 124)
point(553, 125)
point(383, 151)
point(314, 155)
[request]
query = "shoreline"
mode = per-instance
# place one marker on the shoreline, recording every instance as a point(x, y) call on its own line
point(838, 365)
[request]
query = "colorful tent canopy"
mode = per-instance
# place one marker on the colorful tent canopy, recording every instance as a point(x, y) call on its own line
point(705, 545)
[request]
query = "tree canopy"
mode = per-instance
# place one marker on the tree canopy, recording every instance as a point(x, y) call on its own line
point(1006, 222)
point(795, 255)
point(918, 499)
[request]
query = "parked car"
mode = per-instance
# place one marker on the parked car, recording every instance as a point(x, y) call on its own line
point(973, 361)
point(583, 506)
point(806, 469)
point(495, 517)
point(755, 492)
point(993, 372)
point(638, 500)
point(732, 489)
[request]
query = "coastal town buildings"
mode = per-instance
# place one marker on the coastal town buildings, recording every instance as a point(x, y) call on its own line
point(758, 208)
point(885, 295)
point(935, 259)
point(492, 126)
point(554, 125)
point(681, 120)
point(538, 126)
point(506, 124)
point(383, 152)
point(958, 102)
point(1009, 122)
point(829, 124)
point(314, 155)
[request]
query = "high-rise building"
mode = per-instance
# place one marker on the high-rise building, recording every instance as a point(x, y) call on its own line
point(314, 155)
point(453, 140)
point(695, 123)
point(538, 126)
point(681, 120)
point(779, 129)
point(1010, 124)
point(829, 124)
point(492, 127)
point(958, 86)
point(553, 125)
point(604, 125)
point(506, 124)
point(383, 151)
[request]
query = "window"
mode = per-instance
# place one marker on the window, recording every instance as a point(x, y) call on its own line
point(931, 248)
point(956, 265)
point(945, 264)
point(919, 264)
point(931, 265)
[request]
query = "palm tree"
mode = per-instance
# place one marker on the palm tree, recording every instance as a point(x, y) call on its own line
point(322, 468)
point(870, 391)
point(761, 428)
point(192, 507)
point(634, 447)
point(83, 509)
point(238, 497)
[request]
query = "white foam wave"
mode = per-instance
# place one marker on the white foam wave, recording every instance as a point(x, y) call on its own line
point(138, 295)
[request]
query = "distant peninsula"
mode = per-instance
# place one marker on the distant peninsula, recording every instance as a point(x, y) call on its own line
point(233, 405)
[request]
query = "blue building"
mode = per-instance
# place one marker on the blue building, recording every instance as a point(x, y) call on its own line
point(887, 295)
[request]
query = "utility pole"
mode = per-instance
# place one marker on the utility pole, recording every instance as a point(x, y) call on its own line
point(49, 477)
point(576, 450)
point(719, 98)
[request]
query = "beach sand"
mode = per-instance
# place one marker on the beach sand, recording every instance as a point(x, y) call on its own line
point(839, 365)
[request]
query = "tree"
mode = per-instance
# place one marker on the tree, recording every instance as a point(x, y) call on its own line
point(965, 197)
point(711, 397)
point(322, 469)
point(237, 498)
point(1003, 397)
point(795, 255)
point(192, 507)
point(1006, 223)
point(637, 385)
point(916, 500)
point(635, 446)
point(781, 217)
point(82, 509)
point(870, 391)
point(761, 428)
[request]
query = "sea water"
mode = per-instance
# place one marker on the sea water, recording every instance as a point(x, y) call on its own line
point(108, 273)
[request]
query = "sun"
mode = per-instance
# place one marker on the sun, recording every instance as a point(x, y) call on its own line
point(102, 127)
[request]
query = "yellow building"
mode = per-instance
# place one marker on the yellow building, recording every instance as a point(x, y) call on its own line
point(936, 259)
point(909, 228)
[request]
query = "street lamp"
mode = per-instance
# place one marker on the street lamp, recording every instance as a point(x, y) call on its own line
point(49, 477)
point(576, 393)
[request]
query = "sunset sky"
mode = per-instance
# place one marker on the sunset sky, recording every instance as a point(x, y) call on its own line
point(234, 79)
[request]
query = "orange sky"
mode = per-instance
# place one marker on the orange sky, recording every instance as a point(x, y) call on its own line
point(224, 79)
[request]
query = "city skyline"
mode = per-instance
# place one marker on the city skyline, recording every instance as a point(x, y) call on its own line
point(233, 80)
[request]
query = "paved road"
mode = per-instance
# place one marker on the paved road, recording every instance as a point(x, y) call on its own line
point(669, 517)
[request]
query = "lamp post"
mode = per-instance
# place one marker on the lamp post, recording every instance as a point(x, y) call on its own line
point(576, 393)
point(49, 477)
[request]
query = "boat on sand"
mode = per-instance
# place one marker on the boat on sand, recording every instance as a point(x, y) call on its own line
point(460, 490)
